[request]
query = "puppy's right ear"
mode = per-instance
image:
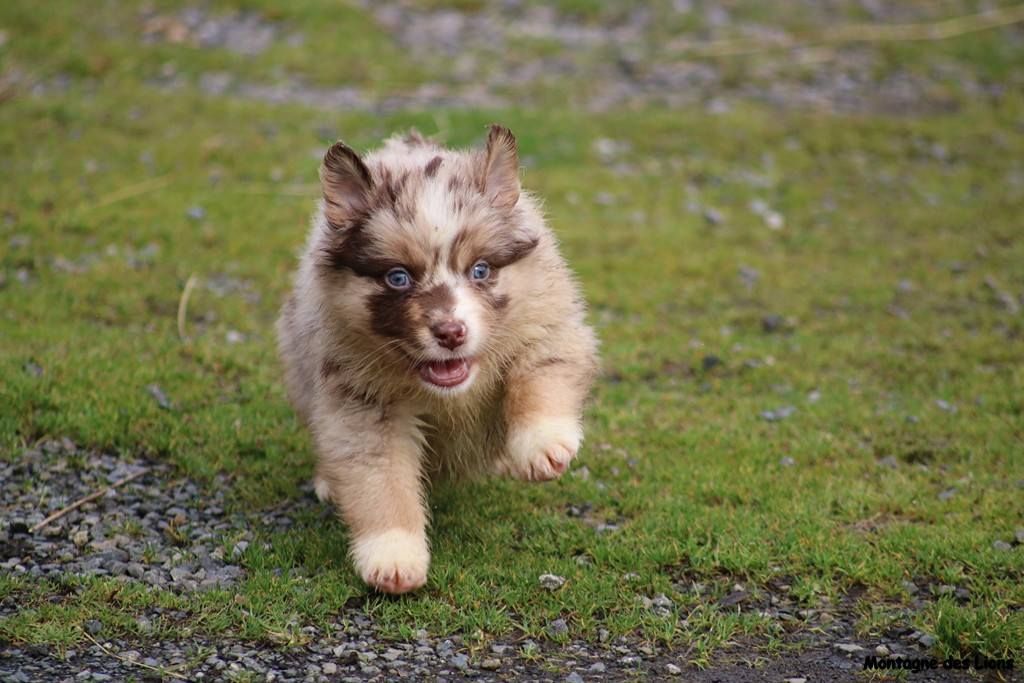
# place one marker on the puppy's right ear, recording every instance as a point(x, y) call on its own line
point(346, 185)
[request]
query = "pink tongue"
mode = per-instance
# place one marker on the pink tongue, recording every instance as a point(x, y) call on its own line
point(445, 372)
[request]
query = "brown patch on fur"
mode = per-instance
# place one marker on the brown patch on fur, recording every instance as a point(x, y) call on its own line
point(390, 314)
point(329, 368)
point(355, 251)
point(439, 297)
point(431, 168)
point(498, 249)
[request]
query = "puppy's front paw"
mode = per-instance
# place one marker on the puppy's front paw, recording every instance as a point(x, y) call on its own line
point(394, 561)
point(541, 450)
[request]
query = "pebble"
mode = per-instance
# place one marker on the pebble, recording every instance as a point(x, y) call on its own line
point(574, 678)
point(329, 668)
point(551, 581)
point(849, 648)
point(558, 627)
point(772, 323)
point(778, 414)
point(673, 670)
point(713, 216)
point(1001, 545)
point(882, 651)
point(161, 398)
point(710, 362)
point(927, 640)
point(491, 664)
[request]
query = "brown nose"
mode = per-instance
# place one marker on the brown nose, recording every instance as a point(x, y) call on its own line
point(450, 334)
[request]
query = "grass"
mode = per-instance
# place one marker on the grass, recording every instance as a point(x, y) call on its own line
point(894, 343)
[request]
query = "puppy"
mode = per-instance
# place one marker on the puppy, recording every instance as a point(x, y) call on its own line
point(433, 331)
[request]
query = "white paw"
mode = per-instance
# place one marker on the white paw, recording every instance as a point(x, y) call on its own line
point(322, 489)
point(542, 450)
point(394, 561)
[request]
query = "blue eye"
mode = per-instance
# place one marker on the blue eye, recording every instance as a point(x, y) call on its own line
point(480, 270)
point(398, 278)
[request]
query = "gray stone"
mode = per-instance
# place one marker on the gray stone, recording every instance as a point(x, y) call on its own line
point(558, 627)
point(778, 414)
point(772, 323)
point(551, 581)
point(848, 648)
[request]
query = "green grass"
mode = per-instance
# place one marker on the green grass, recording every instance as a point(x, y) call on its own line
point(881, 272)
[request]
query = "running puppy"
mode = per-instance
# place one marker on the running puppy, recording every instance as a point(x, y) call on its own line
point(433, 331)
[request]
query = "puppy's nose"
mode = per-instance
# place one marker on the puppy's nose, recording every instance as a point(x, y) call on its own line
point(450, 334)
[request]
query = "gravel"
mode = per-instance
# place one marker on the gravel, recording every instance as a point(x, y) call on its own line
point(481, 57)
point(244, 33)
point(156, 529)
point(166, 532)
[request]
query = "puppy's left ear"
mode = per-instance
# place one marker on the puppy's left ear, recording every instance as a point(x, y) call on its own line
point(346, 185)
point(499, 176)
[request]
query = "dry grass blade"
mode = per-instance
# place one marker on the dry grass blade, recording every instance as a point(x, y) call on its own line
point(129, 191)
point(91, 497)
point(163, 671)
point(183, 305)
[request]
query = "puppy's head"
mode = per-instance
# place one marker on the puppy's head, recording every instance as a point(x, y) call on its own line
point(415, 244)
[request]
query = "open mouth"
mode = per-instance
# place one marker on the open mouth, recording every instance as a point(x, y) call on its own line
point(446, 373)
